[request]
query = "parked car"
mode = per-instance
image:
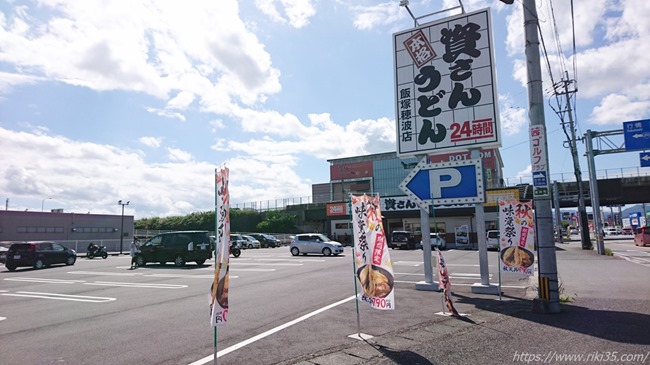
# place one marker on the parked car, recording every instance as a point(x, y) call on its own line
point(38, 254)
point(628, 231)
point(492, 239)
point(314, 243)
point(267, 240)
point(239, 240)
point(3, 254)
point(251, 242)
point(642, 236)
point(436, 240)
point(179, 247)
point(611, 231)
point(401, 239)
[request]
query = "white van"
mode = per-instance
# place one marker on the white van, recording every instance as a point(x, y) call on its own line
point(493, 239)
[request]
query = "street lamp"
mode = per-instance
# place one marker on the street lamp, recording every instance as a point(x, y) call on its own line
point(43, 203)
point(119, 202)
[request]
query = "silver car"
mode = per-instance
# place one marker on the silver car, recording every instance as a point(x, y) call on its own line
point(314, 243)
point(251, 242)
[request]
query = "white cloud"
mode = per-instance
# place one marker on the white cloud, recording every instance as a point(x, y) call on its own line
point(513, 118)
point(151, 141)
point(104, 174)
point(607, 73)
point(160, 48)
point(167, 113)
point(178, 155)
point(298, 12)
point(615, 109)
point(369, 17)
point(9, 80)
point(181, 101)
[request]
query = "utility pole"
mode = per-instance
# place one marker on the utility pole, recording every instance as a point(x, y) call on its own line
point(582, 210)
point(543, 215)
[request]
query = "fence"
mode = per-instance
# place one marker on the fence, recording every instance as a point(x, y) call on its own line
point(276, 204)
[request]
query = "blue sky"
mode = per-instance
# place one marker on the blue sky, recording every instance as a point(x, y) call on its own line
point(141, 100)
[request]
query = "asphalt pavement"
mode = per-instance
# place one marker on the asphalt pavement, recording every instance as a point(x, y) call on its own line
point(606, 321)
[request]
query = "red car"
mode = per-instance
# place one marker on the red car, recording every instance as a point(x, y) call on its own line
point(627, 231)
point(642, 236)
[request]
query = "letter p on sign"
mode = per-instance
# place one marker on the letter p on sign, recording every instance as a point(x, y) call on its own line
point(443, 178)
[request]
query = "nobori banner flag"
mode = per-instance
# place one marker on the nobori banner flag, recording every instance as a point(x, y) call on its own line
point(517, 237)
point(374, 267)
point(219, 289)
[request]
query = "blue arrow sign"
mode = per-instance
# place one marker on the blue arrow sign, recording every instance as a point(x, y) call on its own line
point(445, 183)
point(645, 159)
point(539, 179)
point(637, 135)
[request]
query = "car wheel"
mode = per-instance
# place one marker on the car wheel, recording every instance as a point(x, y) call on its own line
point(200, 262)
point(327, 251)
point(295, 251)
point(39, 264)
point(250, 245)
point(139, 260)
point(264, 245)
point(11, 267)
point(179, 261)
point(71, 260)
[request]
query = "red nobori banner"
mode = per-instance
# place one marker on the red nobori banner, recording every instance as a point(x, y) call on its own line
point(219, 289)
point(374, 267)
point(517, 237)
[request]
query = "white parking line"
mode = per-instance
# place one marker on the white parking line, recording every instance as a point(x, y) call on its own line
point(43, 280)
point(269, 332)
point(184, 276)
point(261, 264)
point(461, 284)
point(55, 296)
point(138, 285)
point(461, 276)
point(107, 273)
point(289, 259)
point(407, 263)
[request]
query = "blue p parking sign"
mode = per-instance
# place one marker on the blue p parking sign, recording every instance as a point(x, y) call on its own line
point(454, 182)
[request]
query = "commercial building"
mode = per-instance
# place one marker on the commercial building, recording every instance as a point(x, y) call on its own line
point(382, 174)
point(72, 228)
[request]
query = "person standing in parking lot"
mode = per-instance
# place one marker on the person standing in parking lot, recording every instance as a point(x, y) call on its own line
point(135, 248)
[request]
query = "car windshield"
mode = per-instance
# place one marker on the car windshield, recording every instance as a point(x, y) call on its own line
point(20, 247)
point(322, 237)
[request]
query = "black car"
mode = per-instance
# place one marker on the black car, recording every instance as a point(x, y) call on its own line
point(38, 255)
point(266, 240)
point(402, 239)
point(178, 247)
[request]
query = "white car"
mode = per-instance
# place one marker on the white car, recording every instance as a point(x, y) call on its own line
point(436, 240)
point(492, 239)
point(314, 243)
point(611, 231)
